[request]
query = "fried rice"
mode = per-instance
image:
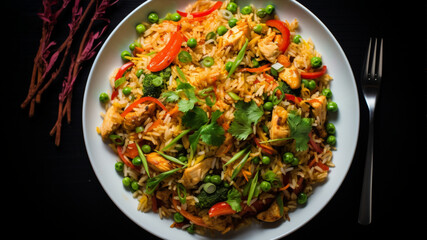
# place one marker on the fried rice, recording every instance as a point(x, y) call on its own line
point(217, 148)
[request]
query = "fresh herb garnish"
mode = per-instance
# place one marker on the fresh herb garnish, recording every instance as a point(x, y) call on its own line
point(234, 199)
point(244, 116)
point(299, 131)
point(153, 183)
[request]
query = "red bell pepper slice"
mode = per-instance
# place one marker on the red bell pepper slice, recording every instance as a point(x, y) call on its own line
point(196, 220)
point(283, 29)
point(141, 100)
point(315, 146)
point(165, 57)
point(292, 98)
point(221, 208)
point(125, 160)
point(119, 74)
point(313, 75)
point(263, 68)
point(216, 6)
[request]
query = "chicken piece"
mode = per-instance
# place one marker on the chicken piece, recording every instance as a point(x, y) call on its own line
point(196, 173)
point(164, 195)
point(279, 126)
point(136, 118)
point(272, 214)
point(232, 36)
point(291, 76)
point(319, 111)
point(112, 121)
point(268, 48)
point(159, 163)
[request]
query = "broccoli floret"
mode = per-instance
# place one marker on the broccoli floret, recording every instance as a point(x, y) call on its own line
point(154, 83)
point(207, 200)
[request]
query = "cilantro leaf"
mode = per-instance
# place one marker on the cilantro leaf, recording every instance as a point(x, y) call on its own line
point(299, 131)
point(212, 134)
point(195, 118)
point(234, 199)
point(244, 116)
point(170, 96)
point(186, 105)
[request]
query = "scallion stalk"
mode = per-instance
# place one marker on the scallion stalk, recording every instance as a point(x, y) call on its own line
point(144, 160)
point(170, 158)
point(176, 139)
point(240, 166)
point(239, 59)
point(236, 156)
point(252, 188)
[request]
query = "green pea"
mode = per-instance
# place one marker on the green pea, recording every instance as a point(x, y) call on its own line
point(139, 129)
point(332, 107)
point(134, 185)
point(232, 22)
point(316, 62)
point(146, 148)
point(185, 57)
point(261, 12)
point(207, 179)
point(119, 166)
point(295, 161)
point(182, 158)
point(137, 161)
point(331, 140)
point(246, 10)
point(269, 8)
point(330, 128)
point(153, 17)
point(228, 66)
point(255, 160)
point(216, 179)
point(127, 90)
point(265, 186)
point(268, 106)
point(265, 160)
point(311, 85)
point(125, 54)
point(221, 30)
point(132, 46)
point(140, 28)
point(175, 17)
point(177, 217)
point(307, 121)
point(232, 7)
point(255, 63)
point(327, 93)
point(103, 97)
point(297, 38)
point(192, 42)
point(126, 181)
point(208, 61)
point(258, 28)
point(226, 184)
point(288, 157)
point(302, 198)
point(139, 73)
point(305, 82)
point(265, 128)
point(211, 35)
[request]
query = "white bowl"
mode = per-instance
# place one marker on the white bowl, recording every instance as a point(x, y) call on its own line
point(346, 120)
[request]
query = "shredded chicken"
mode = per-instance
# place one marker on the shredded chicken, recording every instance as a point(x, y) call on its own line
point(268, 48)
point(319, 111)
point(279, 127)
point(291, 76)
point(235, 34)
point(196, 173)
point(112, 121)
point(158, 163)
point(136, 118)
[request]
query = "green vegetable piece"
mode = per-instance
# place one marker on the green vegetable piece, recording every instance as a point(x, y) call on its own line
point(234, 96)
point(269, 9)
point(184, 57)
point(153, 183)
point(104, 98)
point(331, 140)
point(139, 73)
point(311, 85)
point(170, 158)
point(125, 54)
point(146, 148)
point(258, 28)
point(268, 106)
point(295, 161)
point(175, 17)
point(137, 161)
point(134, 185)
point(209, 187)
point(240, 166)
point(144, 160)
point(255, 63)
point(127, 90)
point(117, 140)
point(126, 181)
point(140, 28)
point(266, 160)
point(139, 129)
point(316, 62)
point(255, 160)
point(299, 131)
point(153, 17)
point(207, 200)
point(239, 58)
point(330, 128)
point(332, 107)
point(265, 186)
point(228, 66)
point(244, 116)
point(211, 35)
point(252, 188)
point(288, 157)
point(190, 229)
point(327, 93)
point(208, 61)
point(183, 159)
point(182, 193)
point(177, 217)
point(261, 12)
point(232, 22)
point(221, 30)
point(246, 10)
point(207, 179)
point(302, 198)
point(216, 179)
point(232, 7)
point(236, 156)
point(234, 199)
point(296, 39)
point(176, 139)
point(192, 42)
point(119, 166)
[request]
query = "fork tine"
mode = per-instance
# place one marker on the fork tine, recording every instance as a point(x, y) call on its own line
point(380, 61)
point(374, 59)
point(365, 70)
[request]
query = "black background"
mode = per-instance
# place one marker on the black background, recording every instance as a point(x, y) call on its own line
point(53, 192)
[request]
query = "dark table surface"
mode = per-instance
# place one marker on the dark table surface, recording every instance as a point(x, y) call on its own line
point(58, 193)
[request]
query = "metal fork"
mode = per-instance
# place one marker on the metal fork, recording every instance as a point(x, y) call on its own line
point(371, 80)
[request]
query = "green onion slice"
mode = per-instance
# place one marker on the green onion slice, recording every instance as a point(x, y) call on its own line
point(144, 160)
point(182, 193)
point(170, 158)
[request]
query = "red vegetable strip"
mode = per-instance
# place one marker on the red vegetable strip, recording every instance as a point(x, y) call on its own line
point(265, 148)
point(221, 208)
point(313, 75)
point(165, 57)
point(196, 220)
point(259, 69)
point(123, 69)
point(322, 166)
point(314, 144)
point(216, 6)
point(141, 100)
point(281, 26)
point(292, 98)
point(125, 160)
point(154, 204)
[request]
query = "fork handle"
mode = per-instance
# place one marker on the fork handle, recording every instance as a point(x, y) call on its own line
point(365, 209)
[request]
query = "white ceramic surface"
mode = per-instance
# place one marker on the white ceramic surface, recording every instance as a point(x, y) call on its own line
point(346, 120)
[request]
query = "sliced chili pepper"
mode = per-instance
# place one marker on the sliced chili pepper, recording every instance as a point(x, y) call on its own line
point(221, 208)
point(313, 75)
point(165, 57)
point(141, 100)
point(125, 160)
point(283, 29)
point(292, 98)
point(119, 74)
point(263, 68)
point(216, 6)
